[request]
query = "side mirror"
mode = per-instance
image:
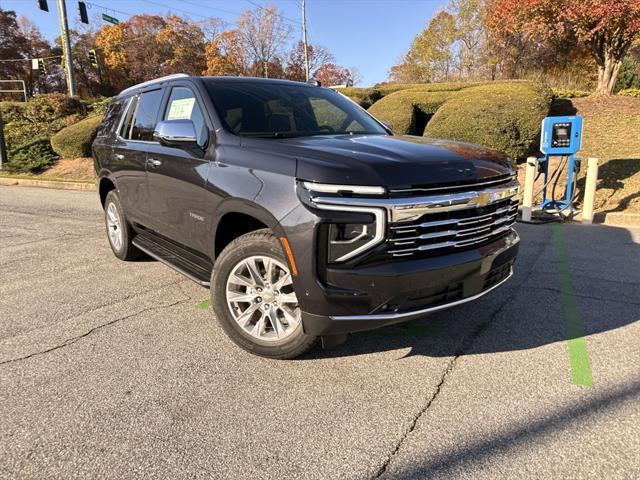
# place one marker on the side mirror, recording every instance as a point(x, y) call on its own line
point(177, 134)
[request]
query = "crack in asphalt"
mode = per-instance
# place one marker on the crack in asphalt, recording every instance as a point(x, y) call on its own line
point(464, 348)
point(71, 341)
point(99, 307)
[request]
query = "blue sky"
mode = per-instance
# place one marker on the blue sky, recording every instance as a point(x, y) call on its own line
point(368, 34)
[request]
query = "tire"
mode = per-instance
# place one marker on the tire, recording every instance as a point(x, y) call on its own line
point(258, 312)
point(119, 232)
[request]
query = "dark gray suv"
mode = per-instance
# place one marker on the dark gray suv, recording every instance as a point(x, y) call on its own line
point(306, 217)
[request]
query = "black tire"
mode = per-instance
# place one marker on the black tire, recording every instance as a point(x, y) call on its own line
point(125, 251)
point(257, 243)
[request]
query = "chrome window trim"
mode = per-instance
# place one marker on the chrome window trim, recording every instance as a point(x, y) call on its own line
point(416, 313)
point(123, 116)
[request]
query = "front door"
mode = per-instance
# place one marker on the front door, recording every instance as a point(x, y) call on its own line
point(177, 179)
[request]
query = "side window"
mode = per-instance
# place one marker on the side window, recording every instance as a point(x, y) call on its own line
point(146, 114)
point(125, 129)
point(111, 118)
point(183, 105)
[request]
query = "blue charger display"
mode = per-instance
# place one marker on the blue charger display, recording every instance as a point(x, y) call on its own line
point(560, 137)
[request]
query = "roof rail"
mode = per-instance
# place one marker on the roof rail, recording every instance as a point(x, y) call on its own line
point(155, 80)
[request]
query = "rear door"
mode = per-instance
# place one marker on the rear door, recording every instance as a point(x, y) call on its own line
point(130, 154)
point(177, 179)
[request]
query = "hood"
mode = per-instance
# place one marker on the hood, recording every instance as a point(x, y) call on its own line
point(388, 160)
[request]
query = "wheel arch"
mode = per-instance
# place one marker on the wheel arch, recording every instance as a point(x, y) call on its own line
point(104, 187)
point(237, 217)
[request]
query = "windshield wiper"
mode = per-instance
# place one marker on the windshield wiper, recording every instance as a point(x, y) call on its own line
point(272, 135)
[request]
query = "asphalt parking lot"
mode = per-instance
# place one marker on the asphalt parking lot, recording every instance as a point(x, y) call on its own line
point(117, 370)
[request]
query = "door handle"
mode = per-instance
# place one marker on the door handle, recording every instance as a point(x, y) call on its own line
point(119, 156)
point(154, 162)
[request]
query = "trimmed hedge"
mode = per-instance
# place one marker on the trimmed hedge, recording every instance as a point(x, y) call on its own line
point(366, 97)
point(75, 140)
point(503, 116)
point(31, 157)
point(408, 111)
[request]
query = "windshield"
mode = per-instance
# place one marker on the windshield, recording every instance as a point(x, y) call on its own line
point(273, 110)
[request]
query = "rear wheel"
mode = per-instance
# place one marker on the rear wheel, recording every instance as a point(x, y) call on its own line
point(119, 231)
point(253, 298)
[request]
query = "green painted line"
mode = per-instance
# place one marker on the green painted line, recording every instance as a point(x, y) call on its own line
point(578, 355)
point(204, 304)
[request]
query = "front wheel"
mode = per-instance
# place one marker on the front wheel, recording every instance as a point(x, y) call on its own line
point(253, 298)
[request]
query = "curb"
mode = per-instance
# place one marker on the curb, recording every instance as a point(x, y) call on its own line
point(618, 219)
point(61, 185)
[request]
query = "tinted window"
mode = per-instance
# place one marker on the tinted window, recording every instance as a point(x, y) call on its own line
point(125, 129)
point(144, 122)
point(275, 110)
point(111, 117)
point(183, 105)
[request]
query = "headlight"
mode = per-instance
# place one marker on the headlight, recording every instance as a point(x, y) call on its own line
point(337, 189)
point(347, 238)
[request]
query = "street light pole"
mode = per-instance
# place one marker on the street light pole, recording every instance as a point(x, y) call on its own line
point(304, 39)
point(66, 47)
point(3, 148)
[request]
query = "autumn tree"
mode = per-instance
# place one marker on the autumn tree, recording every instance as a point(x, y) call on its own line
point(21, 41)
point(295, 64)
point(331, 74)
point(224, 55)
point(263, 34)
point(606, 27)
point(182, 46)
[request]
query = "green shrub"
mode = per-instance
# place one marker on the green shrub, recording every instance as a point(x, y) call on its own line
point(408, 111)
point(564, 93)
point(31, 157)
point(12, 111)
point(98, 105)
point(630, 92)
point(365, 97)
point(51, 110)
point(75, 140)
point(503, 116)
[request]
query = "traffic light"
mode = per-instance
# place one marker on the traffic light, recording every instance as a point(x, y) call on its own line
point(41, 68)
point(93, 57)
point(42, 5)
point(82, 10)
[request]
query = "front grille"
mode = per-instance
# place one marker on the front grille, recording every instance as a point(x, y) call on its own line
point(452, 230)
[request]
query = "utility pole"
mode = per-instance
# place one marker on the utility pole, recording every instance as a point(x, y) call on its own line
point(66, 47)
point(304, 39)
point(3, 148)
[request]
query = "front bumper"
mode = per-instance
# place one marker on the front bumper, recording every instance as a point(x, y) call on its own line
point(398, 291)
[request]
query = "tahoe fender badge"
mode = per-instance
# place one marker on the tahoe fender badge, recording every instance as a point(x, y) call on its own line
point(200, 218)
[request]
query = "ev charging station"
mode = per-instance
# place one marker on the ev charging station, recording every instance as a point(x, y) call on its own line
point(561, 137)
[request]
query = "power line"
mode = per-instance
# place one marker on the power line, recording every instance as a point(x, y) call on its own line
point(91, 4)
point(276, 13)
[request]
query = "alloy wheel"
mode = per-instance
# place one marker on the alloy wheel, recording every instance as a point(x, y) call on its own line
point(261, 299)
